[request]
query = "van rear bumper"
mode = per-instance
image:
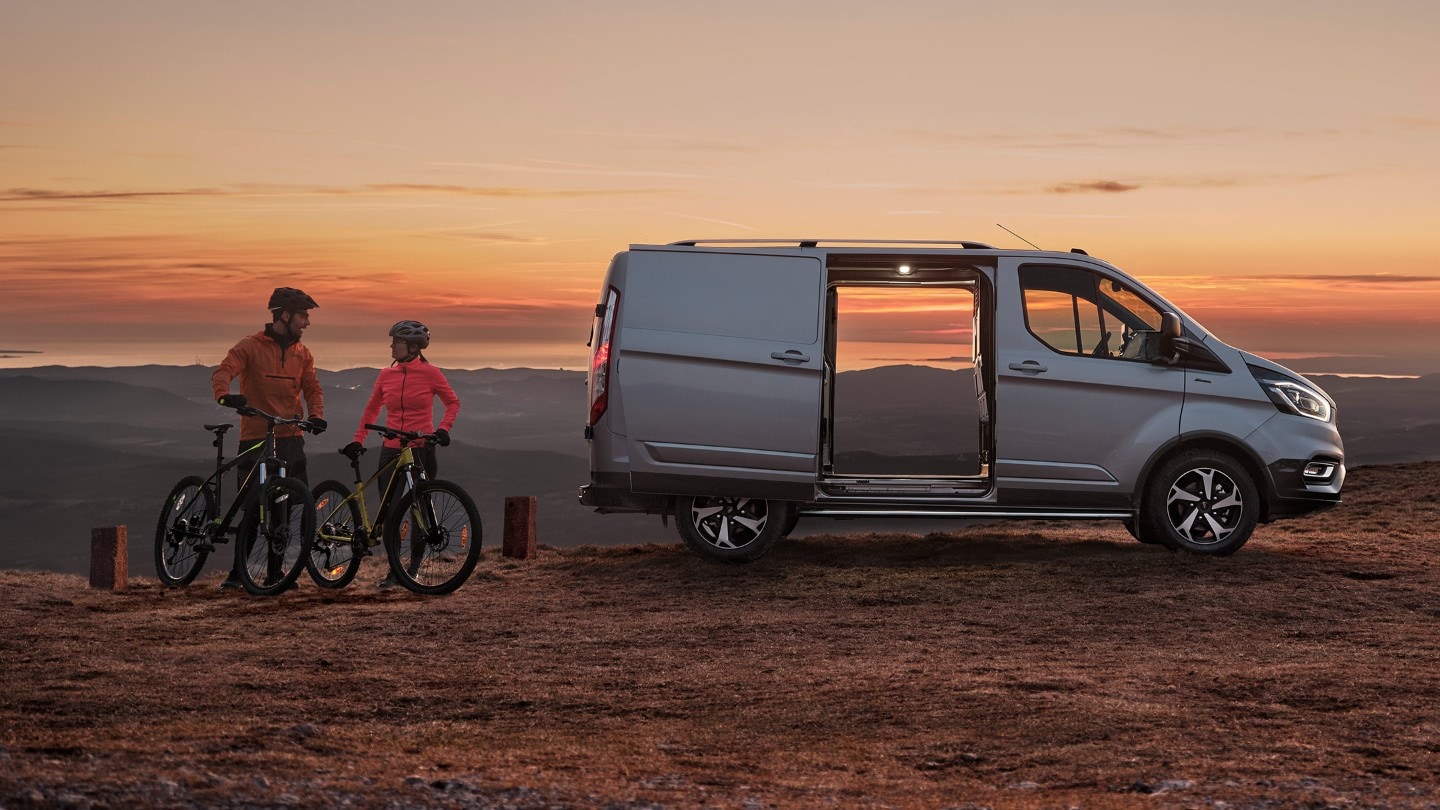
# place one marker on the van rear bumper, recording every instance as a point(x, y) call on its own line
point(1296, 493)
point(610, 493)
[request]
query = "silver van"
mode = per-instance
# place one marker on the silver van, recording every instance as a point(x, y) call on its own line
point(739, 385)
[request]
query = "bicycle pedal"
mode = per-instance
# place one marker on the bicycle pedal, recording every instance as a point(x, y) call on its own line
point(205, 547)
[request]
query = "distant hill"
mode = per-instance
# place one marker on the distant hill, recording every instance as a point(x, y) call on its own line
point(1387, 421)
point(102, 446)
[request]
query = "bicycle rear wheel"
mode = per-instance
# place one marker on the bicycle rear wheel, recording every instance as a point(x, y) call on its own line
point(433, 540)
point(181, 539)
point(275, 537)
point(335, 554)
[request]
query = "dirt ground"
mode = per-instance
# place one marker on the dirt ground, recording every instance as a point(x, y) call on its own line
point(1017, 665)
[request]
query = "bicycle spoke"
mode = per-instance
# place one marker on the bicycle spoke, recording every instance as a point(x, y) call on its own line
point(436, 541)
point(276, 537)
point(181, 539)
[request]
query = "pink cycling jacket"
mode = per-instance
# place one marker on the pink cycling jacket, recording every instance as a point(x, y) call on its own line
point(407, 391)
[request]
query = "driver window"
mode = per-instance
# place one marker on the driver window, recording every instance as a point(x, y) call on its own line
point(1079, 312)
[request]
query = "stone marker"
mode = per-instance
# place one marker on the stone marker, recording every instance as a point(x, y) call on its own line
point(109, 558)
point(519, 540)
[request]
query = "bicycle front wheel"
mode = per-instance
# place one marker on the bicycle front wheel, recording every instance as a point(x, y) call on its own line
point(335, 554)
point(182, 540)
point(433, 540)
point(275, 537)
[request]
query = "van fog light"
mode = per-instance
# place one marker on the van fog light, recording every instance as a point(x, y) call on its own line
point(1319, 469)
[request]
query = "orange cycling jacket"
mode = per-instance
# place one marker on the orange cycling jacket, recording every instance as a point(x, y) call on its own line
point(273, 375)
point(407, 391)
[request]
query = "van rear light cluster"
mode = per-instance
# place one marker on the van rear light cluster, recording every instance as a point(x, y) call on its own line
point(600, 358)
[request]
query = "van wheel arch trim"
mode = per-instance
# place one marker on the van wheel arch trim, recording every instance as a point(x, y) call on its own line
point(1212, 442)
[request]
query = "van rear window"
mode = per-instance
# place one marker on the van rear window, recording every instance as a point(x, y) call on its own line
point(774, 298)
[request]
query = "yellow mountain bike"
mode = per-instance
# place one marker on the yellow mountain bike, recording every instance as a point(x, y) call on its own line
point(431, 529)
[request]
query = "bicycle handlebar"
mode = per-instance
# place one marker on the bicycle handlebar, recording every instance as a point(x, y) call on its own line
point(406, 435)
point(246, 410)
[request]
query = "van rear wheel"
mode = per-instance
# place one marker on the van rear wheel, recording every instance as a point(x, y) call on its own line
point(731, 529)
point(1201, 501)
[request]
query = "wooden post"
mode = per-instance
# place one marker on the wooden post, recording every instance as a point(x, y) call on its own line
point(519, 541)
point(109, 558)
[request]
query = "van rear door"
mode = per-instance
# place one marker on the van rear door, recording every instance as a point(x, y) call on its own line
point(720, 361)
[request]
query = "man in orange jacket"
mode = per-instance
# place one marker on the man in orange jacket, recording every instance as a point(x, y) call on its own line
point(274, 369)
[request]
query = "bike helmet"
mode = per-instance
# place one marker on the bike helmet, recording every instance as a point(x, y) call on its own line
point(411, 332)
point(291, 300)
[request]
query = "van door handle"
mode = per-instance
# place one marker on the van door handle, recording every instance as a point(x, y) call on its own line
point(790, 356)
point(1028, 366)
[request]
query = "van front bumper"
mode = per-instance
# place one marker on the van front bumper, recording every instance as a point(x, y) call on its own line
point(1301, 486)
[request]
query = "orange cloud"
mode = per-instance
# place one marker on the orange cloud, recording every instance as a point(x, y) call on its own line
point(21, 195)
point(1109, 186)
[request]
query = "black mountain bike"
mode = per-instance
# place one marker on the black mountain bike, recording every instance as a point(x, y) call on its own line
point(274, 534)
point(431, 529)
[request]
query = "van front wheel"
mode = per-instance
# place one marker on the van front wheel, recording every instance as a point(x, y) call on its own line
point(1201, 501)
point(731, 529)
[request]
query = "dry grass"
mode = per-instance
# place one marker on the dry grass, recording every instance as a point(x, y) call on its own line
point(1020, 665)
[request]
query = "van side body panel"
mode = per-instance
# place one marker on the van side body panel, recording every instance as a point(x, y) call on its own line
point(1072, 430)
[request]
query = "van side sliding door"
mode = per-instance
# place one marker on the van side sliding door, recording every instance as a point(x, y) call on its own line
point(720, 360)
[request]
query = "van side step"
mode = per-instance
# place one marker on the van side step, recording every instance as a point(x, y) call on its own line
point(852, 487)
point(973, 513)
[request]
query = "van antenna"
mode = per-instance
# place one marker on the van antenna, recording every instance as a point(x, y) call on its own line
point(1018, 236)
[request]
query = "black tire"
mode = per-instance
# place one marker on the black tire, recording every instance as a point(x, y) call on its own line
point(338, 548)
point(272, 553)
point(734, 530)
point(1130, 526)
point(1201, 501)
point(433, 541)
point(791, 523)
point(182, 539)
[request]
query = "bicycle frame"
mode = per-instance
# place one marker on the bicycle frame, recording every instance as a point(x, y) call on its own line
point(426, 526)
point(253, 483)
point(403, 463)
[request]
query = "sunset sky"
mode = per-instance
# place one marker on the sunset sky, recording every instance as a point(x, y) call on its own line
point(1273, 168)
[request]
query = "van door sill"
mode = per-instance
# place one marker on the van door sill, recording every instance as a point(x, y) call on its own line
point(852, 487)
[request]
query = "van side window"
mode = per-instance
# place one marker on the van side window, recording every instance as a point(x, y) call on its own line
point(1080, 312)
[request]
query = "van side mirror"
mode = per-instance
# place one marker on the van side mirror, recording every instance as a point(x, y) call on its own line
point(1170, 338)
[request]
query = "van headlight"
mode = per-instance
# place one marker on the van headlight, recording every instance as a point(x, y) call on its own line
point(1292, 396)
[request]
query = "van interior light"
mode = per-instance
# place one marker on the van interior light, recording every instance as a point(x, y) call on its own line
point(904, 270)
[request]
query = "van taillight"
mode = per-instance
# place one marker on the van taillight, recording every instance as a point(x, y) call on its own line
point(600, 358)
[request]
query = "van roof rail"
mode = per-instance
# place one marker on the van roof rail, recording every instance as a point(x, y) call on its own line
point(810, 243)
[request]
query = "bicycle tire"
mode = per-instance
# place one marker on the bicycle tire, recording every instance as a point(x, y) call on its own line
point(335, 555)
point(188, 506)
point(271, 556)
point(438, 559)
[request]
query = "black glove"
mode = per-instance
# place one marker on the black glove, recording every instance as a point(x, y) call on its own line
point(442, 437)
point(231, 400)
point(317, 425)
point(353, 451)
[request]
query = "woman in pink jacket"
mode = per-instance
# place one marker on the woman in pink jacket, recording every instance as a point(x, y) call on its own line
point(407, 391)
